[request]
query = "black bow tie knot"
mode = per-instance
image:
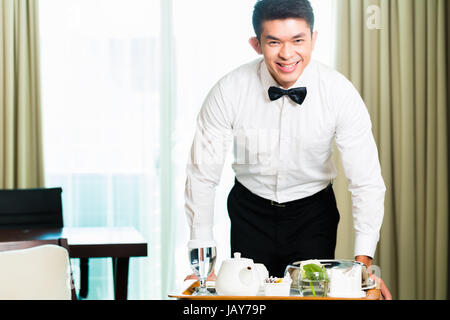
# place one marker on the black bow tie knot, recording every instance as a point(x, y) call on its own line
point(298, 95)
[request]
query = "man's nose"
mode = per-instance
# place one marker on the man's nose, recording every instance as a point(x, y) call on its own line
point(286, 52)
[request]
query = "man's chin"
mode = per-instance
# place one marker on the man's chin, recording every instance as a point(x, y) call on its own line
point(288, 82)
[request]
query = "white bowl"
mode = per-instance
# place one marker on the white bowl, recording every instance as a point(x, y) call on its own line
point(281, 289)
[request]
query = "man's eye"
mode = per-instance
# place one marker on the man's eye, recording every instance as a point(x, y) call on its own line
point(273, 43)
point(298, 41)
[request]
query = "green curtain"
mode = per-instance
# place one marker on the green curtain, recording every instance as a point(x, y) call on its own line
point(21, 160)
point(395, 53)
point(448, 122)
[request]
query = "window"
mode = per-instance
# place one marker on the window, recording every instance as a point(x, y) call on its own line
point(101, 73)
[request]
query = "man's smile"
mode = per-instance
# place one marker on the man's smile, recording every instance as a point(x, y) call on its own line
point(287, 68)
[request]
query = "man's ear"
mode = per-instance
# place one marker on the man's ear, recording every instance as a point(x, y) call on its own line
point(314, 39)
point(254, 42)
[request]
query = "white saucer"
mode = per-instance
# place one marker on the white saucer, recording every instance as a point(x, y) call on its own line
point(360, 294)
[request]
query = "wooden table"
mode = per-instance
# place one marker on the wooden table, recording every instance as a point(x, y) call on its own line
point(118, 243)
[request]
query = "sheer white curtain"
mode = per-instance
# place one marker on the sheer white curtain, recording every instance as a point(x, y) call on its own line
point(103, 75)
point(100, 75)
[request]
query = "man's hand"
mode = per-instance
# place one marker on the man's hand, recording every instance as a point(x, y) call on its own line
point(212, 277)
point(364, 259)
point(385, 293)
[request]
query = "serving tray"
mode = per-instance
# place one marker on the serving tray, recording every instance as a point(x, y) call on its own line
point(188, 288)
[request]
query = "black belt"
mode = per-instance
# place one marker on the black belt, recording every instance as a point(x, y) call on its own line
point(268, 202)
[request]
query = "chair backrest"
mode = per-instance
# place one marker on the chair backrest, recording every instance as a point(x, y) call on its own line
point(31, 208)
point(36, 270)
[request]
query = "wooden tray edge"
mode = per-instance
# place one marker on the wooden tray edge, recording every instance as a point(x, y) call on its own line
point(186, 294)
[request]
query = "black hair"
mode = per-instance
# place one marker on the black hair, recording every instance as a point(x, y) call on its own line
point(267, 10)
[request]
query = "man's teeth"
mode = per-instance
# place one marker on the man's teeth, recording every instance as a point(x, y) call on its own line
point(288, 65)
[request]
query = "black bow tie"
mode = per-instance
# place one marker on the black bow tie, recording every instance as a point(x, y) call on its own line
point(297, 95)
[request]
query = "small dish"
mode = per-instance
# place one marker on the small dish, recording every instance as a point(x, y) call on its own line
point(345, 295)
point(281, 289)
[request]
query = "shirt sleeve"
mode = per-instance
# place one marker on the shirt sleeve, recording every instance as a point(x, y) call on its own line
point(359, 155)
point(212, 139)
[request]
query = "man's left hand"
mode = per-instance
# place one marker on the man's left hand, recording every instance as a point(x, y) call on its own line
point(364, 259)
point(385, 293)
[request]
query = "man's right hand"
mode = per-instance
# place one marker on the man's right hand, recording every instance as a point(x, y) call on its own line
point(212, 277)
point(191, 277)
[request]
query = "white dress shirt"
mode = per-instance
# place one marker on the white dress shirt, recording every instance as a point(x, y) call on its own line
point(283, 151)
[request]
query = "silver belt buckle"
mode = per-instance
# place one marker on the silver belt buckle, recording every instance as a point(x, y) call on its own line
point(273, 203)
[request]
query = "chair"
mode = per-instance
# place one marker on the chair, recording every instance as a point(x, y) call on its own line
point(36, 270)
point(37, 208)
point(31, 208)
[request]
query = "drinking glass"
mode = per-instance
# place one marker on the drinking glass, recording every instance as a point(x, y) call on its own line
point(202, 262)
point(315, 286)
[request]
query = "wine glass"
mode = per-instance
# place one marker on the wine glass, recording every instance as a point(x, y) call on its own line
point(202, 260)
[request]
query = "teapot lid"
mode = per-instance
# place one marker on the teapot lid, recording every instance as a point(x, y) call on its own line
point(237, 257)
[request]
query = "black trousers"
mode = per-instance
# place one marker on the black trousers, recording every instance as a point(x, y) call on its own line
point(280, 234)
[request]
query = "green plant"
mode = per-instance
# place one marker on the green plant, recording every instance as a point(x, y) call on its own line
point(314, 272)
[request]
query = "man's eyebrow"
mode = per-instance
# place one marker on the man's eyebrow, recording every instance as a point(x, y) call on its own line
point(300, 35)
point(272, 38)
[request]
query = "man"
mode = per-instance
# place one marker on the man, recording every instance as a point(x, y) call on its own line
point(283, 112)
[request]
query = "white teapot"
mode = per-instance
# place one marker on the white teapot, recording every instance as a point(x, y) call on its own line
point(238, 277)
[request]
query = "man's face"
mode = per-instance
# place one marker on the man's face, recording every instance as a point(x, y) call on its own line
point(287, 46)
